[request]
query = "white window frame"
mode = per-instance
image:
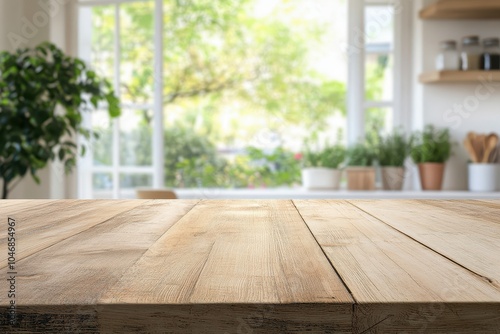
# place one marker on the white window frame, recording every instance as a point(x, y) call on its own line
point(86, 165)
point(356, 104)
point(357, 51)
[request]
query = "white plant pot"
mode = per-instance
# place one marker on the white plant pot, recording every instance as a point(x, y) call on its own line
point(483, 177)
point(321, 178)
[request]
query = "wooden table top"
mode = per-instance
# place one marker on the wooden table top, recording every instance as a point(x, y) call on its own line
point(252, 266)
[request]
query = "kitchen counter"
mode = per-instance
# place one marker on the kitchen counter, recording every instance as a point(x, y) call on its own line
point(251, 266)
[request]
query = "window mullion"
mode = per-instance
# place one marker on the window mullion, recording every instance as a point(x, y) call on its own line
point(356, 81)
point(158, 141)
point(116, 122)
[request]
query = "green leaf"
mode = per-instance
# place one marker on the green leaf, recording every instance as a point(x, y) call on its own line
point(34, 83)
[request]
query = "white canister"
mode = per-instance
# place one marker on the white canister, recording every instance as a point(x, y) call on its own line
point(483, 177)
point(321, 178)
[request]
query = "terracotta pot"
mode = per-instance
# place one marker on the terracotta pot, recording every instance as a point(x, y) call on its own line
point(321, 178)
point(360, 178)
point(431, 175)
point(393, 178)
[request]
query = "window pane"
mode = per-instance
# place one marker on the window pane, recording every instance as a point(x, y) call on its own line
point(102, 181)
point(246, 83)
point(136, 133)
point(132, 181)
point(137, 52)
point(102, 146)
point(379, 77)
point(379, 120)
point(379, 25)
point(103, 41)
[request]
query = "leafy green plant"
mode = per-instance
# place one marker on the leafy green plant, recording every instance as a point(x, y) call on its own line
point(393, 149)
point(361, 155)
point(42, 96)
point(278, 167)
point(431, 145)
point(191, 160)
point(332, 156)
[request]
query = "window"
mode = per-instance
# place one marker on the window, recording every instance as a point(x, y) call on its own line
point(224, 93)
point(379, 67)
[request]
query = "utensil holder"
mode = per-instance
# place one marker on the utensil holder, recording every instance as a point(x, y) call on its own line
point(483, 177)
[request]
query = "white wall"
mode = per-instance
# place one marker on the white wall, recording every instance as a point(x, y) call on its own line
point(26, 23)
point(435, 103)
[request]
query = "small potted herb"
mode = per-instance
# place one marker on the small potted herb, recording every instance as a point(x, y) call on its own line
point(360, 170)
point(392, 152)
point(431, 151)
point(321, 167)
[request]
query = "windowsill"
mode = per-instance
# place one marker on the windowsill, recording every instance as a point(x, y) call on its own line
point(299, 193)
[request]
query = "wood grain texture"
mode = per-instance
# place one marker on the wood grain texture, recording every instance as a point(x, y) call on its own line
point(253, 266)
point(462, 9)
point(44, 224)
point(436, 77)
point(236, 252)
point(381, 266)
point(471, 241)
point(76, 270)
point(226, 318)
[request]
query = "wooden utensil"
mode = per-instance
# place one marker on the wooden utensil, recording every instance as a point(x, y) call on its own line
point(490, 145)
point(480, 144)
point(471, 137)
point(494, 156)
point(470, 149)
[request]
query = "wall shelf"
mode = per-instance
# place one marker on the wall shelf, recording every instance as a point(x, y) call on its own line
point(462, 10)
point(459, 76)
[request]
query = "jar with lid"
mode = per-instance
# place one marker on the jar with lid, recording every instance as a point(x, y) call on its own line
point(448, 59)
point(471, 53)
point(490, 59)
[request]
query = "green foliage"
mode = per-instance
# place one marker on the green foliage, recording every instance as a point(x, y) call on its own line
point(220, 53)
point(361, 155)
point(42, 95)
point(331, 156)
point(432, 145)
point(222, 61)
point(393, 149)
point(272, 169)
point(191, 161)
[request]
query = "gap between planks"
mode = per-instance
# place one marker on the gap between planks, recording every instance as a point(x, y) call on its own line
point(324, 254)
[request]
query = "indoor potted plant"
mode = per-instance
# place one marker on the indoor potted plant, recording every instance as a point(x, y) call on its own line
point(431, 150)
point(392, 151)
point(43, 94)
point(321, 168)
point(360, 170)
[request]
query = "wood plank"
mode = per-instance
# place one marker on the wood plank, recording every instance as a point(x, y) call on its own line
point(76, 271)
point(470, 241)
point(41, 226)
point(397, 283)
point(462, 9)
point(225, 318)
point(459, 77)
point(233, 252)
point(489, 211)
